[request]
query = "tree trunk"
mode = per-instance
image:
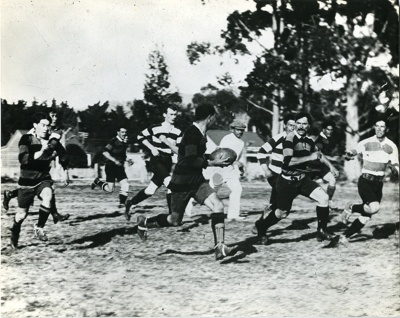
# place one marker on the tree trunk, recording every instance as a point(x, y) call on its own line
point(352, 168)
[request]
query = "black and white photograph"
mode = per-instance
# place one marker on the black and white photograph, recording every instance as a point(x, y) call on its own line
point(200, 158)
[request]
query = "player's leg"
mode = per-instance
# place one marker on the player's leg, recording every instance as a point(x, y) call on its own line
point(45, 191)
point(57, 217)
point(108, 185)
point(7, 196)
point(179, 201)
point(123, 192)
point(312, 190)
point(206, 195)
point(330, 190)
point(371, 194)
point(25, 199)
point(286, 192)
point(234, 185)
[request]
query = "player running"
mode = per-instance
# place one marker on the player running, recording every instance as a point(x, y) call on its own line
point(188, 181)
point(298, 151)
point(161, 141)
point(378, 152)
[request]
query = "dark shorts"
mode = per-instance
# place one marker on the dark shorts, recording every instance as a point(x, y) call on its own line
point(323, 170)
point(161, 167)
point(115, 172)
point(26, 195)
point(369, 190)
point(179, 200)
point(287, 191)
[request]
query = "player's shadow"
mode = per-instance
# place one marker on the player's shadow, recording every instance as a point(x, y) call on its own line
point(200, 219)
point(102, 238)
point(80, 219)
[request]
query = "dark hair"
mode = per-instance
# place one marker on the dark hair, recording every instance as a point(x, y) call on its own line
point(37, 117)
point(288, 117)
point(121, 127)
point(327, 123)
point(172, 107)
point(302, 115)
point(52, 110)
point(203, 110)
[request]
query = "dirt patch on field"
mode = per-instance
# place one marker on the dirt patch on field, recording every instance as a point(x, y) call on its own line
point(95, 265)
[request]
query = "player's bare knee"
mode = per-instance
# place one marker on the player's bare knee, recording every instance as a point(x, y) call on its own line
point(280, 214)
point(372, 208)
point(151, 188)
point(21, 215)
point(46, 194)
point(124, 186)
point(321, 197)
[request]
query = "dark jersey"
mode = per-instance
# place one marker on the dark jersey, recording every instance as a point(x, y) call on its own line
point(33, 171)
point(323, 144)
point(188, 172)
point(117, 149)
point(295, 146)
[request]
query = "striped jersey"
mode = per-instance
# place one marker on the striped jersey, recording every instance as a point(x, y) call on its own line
point(273, 149)
point(295, 146)
point(188, 172)
point(34, 171)
point(376, 155)
point(153, 134)
point(116, 148)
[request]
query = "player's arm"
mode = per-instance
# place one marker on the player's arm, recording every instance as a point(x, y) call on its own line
point(394, 162)
point(263, 158)
point(288, 158)
point(144, 138)
point(170, 144)
point(331, 167)
point(107, 154)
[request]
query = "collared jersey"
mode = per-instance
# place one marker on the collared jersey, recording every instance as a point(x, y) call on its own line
point(188, 172)
point(116, 148)
point(295, 146)
point(153, 134)
point(273, 147)
point(232, 142)
point(376, 155)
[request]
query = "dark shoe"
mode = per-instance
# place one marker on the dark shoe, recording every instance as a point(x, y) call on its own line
point(221, 251)
point(322, 235)
point(6, 199)
point(128, 206)
point(40, 233)
point(57, 217)
point(15, 230)
point(95, 183)
point(121, 205)
point(142, 228)
point(263, 240)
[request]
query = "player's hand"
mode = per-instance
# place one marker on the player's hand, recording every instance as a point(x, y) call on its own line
point(162, 138)
point(219, 162)
point(392, 168)
point(155, 152)
point(316, 155)
point(65, 183)
point(130, 162)
point(349, 155)
point(335, 172)
point(118, 163)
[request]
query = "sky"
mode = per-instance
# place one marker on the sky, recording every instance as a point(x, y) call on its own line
point(90, 51)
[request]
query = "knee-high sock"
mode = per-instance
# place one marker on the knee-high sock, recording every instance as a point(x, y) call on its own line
point(218, 227)
point(269, 221)
point(358, 208)
point(323, 217)
point(168, 196)
point(331, 191)
point(354, 228)
point(122, 198)
point(53, 207)
point(139, 197)
point(43, 216)
point(13, 193)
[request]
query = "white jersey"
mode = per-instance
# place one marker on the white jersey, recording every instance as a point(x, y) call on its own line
point(232, 142)
point(376, 155)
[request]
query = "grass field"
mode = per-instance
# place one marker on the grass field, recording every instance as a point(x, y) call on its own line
point(94, 265)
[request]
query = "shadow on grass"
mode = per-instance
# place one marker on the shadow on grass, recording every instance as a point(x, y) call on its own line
point(103, 238)
point(80, 219)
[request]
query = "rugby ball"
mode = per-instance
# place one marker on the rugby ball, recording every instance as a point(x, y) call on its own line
point(224, 153)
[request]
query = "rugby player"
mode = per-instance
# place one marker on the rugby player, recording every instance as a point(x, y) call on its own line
point(161, 142)
point(298, 151)
point(115, 153)
point(378, 153)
